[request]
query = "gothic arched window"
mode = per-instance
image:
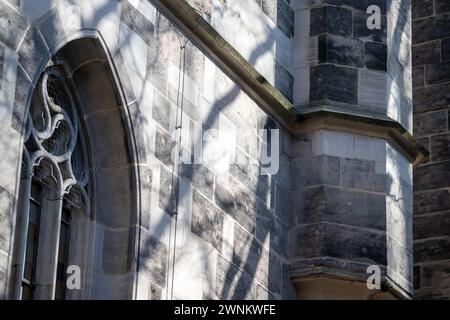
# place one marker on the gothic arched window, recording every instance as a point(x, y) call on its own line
point(54, 191)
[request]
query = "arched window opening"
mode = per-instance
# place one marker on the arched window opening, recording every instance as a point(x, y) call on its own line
point(54, 188)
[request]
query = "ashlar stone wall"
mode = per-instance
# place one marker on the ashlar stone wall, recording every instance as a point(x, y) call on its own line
point(431, 75)
point(231, 239)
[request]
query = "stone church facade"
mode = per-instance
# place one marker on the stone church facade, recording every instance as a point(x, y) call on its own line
point(224, 149)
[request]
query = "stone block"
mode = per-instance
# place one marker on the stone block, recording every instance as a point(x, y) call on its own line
point(437, 73)
point(432, 176)
point(432, 249)
point(418, 77)
point(372, 86)
point(339, 241)
point(21, 97)
point(137, 22)
point(325, 204)
point(115, 251)
point(201, 178)
point(284, 81)
point(445, 47)
point(167, 191)
point(162, 110)
point(114, 187)
point(207, 221)
point(107, 133)
point(153, 260)
point(436, 275)
point(421, 9)
point(333, 20)
point(33, 53)
point(285, 17)
point(52, 29)
point(334, 83)
point(427, 53)
point(283, 203)
point(232, 283)
point(431, 98)
point(250, 256)
point(13, 26)
point(6, 223)
point(431, 225)
point(316, 171)
point(431, 201)
point(341, 50)
point(430, 123)
point(441, 6)
point(432, 28)
point(237, 202)
point(271, 231)
point(164, 146)
point(376, 56)
point(440, 147)
point(362, 175)
point(361, 31)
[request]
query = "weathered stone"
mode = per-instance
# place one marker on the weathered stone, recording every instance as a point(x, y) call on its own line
point(334, 205)
point(436, 274)
point(427, 53)
point(201, 178)
point(167, 191)
point(432, 176)
point(432, 28)
point(418, 77)
point(441, 6)
point(445, 47)
point(284, 81)
point(440, 147)
point(33, 53)
point(113, 186)
point(283, 203)
point(107, 132)
point(431, 98)
point(237, 202)
point(52, 29)
point(255, 260)
point(376, 56)
point(137, 22)
point(153, 260)
point(421, 9)
point(430, 123)
point(207, 221)
point(437, 73)
point(270, 227)
point(361, 174)
point(372, 86)
point(334, 83)
point(333, 20)
point(13, 26)
point(316, 171)
point(285, 17)
point(341, 50)
point(430, 226)
point(231, 283)
point(162, 109)
point(339, 241)
point(115, 251)
point(6, 207)
point(164, 147)
point(432, 249)
point(431, 201)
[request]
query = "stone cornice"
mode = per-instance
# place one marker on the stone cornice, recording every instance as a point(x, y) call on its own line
point(223, 54)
